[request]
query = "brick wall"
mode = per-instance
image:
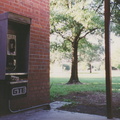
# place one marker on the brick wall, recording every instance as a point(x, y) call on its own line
point(38, 74)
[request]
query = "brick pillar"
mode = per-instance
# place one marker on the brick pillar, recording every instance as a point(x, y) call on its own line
point(38, 90)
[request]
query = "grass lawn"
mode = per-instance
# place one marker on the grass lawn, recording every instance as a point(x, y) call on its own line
point(59, 87)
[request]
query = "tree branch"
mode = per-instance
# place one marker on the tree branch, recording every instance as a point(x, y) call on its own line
point(87, 33)
point(58, 32)
point(99, 6)
point(77, 36)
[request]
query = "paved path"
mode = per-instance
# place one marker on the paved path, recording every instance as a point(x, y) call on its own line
point(53, 114)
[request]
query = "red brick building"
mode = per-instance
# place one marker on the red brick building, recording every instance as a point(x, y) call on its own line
point(38, 59)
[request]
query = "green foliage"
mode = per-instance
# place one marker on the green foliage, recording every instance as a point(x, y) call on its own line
point(90, 52)
point(115, 16)
point(73, 19)
point(93, 53)
point(63, 46)
point(118, 66)
point(66, 67)
point(116, 29)
point(115, 13)
point(68, 19)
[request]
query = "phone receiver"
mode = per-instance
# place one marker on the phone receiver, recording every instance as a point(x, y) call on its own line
point(12, 45)
point(11, 63)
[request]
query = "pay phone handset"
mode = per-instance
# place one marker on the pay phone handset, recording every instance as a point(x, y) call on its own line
point(11, 53)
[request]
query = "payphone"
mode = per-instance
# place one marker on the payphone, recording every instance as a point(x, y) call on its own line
point(11, 52)
point(14, 52)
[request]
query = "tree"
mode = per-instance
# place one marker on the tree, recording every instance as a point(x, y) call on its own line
point(115, 60)
point(73, 20)
point(115, 16)
point(115, 13)
point(93, 53)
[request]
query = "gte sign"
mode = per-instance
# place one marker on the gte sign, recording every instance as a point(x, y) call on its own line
point(19, 91)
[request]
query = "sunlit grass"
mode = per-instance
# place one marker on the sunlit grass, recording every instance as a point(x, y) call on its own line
point(59, 86)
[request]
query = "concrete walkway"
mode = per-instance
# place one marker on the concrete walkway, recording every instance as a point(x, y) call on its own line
point(53, 114)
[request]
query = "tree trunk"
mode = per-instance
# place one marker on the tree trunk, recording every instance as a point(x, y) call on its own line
point(74, 69)
point(90, 66)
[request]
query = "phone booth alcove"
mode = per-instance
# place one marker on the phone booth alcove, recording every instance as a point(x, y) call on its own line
point(14, 52)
